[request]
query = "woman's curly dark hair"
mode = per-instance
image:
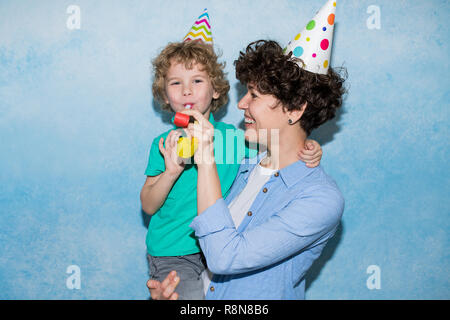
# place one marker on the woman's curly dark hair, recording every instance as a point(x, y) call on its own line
point(265, 65)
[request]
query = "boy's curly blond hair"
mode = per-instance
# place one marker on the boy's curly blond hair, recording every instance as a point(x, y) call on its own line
point(190, 53)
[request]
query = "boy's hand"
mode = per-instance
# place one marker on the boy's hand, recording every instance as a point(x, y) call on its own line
point(174, 165)
point(311, 154)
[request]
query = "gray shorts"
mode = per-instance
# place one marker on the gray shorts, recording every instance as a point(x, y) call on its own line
point(189, 268)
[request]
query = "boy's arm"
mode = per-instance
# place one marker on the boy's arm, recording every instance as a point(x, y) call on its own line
point(155, 191)
point(157, 187)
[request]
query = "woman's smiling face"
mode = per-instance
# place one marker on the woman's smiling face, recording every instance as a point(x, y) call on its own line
point(263, 115)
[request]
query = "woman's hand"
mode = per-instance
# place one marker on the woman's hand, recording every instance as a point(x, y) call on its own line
point(203, 131)
point(174, 165)
point(208, 183)
point(311, 154)
point(164, 290)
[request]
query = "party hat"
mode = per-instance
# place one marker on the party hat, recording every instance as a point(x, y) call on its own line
point(201, 29)
point(313, 44)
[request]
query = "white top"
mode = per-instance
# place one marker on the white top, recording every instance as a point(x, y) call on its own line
point(242, 203)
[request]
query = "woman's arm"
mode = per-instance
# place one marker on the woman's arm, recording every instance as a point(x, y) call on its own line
point(307, 220)
point(208, 187)
point(208, 183)
point(164, 290)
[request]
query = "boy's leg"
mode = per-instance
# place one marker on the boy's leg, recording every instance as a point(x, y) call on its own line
point(188, 268)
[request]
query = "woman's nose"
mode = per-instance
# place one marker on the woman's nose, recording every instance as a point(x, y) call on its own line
point(243, 103)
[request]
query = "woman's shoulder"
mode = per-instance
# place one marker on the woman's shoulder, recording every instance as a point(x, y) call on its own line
point(317, 198)
point(319, 178)
point(319, 184)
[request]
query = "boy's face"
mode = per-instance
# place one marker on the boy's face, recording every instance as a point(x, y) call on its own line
point(189, 86)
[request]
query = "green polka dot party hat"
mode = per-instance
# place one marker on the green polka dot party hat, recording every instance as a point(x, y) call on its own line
point(313, 44)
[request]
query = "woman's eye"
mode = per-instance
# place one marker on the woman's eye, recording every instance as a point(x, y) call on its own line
point(198, 80)
point(254, 96)
point(174, 83)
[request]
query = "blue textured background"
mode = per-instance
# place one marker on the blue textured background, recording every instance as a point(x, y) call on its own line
point(77, 119)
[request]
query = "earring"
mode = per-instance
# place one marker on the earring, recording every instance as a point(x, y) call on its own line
point(290, 121)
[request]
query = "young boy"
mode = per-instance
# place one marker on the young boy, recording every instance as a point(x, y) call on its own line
point(185, 74)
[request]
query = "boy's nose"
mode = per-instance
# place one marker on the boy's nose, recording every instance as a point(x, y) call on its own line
point(187, 91)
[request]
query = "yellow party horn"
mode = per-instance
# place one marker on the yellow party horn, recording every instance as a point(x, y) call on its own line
point(186, 147)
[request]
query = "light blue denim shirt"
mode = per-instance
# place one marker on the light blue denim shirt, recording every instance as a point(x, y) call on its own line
point(293, 216)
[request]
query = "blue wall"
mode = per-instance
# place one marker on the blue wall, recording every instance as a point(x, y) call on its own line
point(77, 119)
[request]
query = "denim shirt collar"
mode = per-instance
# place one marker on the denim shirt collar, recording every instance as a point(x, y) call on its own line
point(290, 175)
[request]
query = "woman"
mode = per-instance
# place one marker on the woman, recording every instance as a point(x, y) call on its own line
point(260, 241)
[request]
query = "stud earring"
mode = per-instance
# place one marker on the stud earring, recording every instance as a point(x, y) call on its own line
point(290, 121)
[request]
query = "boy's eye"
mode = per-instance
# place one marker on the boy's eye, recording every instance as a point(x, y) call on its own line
point(254, 95)
point(198, 80)
point(174, 83)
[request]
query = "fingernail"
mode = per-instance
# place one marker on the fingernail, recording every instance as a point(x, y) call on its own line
point(176, 279)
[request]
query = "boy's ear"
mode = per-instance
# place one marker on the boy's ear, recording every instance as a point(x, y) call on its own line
point(166, 100)
point(216, 95)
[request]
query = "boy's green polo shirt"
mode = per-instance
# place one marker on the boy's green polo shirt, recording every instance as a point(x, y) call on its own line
point(169, 233)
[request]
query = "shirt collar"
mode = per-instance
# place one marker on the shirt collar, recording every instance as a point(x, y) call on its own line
point(290, 175)
point(249, 163)
point(211, 119)
point(295, 172)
